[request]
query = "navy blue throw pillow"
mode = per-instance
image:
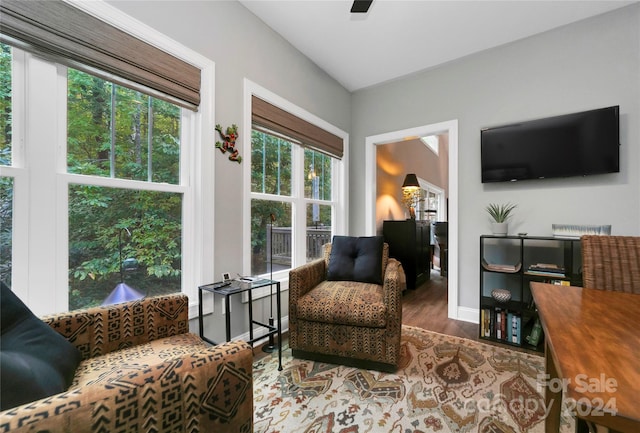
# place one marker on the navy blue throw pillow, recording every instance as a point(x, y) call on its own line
point(35, 361)
point(356, 259)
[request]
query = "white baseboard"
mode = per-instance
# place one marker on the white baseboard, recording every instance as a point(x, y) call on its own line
point(467, 314)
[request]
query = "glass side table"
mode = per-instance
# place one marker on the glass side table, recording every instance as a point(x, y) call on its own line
point(232, 289)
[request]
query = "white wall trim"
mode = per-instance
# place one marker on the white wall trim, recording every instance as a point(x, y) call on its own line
point(468, 314)
point(450, 127)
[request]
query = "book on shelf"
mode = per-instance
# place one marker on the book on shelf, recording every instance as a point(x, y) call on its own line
point(498, 333)
point(547, 267)
point(499, 267)
point(516, 329)
point(487, 322)
point(545, 273)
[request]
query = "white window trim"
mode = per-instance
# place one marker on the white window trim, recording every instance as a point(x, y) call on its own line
point(340, 214)
point(198, 215)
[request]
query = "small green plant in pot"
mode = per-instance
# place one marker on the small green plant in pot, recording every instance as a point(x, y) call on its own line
point(500, 213)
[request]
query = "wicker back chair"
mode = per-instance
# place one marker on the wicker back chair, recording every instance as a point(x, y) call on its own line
point(611, 263)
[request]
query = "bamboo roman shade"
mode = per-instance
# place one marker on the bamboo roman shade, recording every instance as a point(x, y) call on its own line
point(56, 28)
point(278, 120)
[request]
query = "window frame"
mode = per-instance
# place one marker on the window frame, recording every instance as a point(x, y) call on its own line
point(339, 200)
point(35, 271)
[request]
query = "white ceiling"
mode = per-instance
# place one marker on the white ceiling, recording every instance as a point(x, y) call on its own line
point(398, 37)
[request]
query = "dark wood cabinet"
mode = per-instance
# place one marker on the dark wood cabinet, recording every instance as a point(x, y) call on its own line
point(409, 243)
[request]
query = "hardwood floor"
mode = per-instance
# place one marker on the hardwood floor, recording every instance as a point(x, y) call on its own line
point(426, 308)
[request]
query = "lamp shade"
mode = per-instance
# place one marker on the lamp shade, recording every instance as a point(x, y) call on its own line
point(411, 181)
point(122, 293)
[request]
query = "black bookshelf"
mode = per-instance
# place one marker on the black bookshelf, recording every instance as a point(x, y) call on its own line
point(511, 263)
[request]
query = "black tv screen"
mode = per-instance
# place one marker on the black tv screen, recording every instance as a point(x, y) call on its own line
point(577, 144)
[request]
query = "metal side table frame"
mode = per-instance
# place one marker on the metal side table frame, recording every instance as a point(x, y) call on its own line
point(235, 288)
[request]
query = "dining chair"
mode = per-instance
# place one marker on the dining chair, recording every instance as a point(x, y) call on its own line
point(611, 263)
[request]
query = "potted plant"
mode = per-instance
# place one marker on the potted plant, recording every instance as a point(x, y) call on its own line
point(500, 213)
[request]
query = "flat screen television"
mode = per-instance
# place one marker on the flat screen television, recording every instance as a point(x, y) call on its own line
point(577, 144)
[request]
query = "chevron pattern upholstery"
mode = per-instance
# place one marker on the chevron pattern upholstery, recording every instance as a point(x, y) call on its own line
point(142, 371)
point(346, 322)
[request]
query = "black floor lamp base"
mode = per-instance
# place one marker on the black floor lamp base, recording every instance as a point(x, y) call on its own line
point(271, 346)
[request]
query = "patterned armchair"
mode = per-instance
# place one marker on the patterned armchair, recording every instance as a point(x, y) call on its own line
point(346, 322)
point(142, 371)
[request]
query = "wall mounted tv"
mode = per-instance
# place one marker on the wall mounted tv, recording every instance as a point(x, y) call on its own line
point(576, 144)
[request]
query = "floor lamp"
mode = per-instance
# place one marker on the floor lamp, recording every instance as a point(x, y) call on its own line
point(271, 346)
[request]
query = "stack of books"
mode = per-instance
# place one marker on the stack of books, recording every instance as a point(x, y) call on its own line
point(501, 324)
point(546, 270)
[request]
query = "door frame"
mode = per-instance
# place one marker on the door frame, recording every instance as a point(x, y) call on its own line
point(451, 128)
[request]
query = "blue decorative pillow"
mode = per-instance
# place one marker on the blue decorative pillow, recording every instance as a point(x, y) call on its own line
point(35, 361)
point(356, 259)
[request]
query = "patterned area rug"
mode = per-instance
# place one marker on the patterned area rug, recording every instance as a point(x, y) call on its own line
point(444, 384)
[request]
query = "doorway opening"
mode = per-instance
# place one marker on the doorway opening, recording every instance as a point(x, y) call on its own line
point(451, 129)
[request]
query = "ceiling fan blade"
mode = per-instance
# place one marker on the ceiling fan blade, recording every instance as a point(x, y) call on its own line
point(361, 6)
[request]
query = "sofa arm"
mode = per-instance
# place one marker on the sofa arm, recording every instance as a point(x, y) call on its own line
point(99, 330)
point(394, 284)
point(210, 390)
point(304, 278)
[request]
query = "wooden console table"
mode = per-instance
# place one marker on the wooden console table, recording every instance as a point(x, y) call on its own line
point(593, 343)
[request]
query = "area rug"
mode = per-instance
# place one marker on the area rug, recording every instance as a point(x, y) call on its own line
point(443, 384)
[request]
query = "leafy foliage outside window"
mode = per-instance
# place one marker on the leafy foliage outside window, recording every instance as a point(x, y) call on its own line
point(261, 211)
point(6, 227)
point(5, 104)
point(146, 132)
point(148, 225)
point(6, 183)
point(270, 164)
point(271, 175)
point(140, 140)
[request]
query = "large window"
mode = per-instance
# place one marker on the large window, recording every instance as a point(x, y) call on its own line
point(274, 159)
point(297, 194)
point(98, 193)
point(119, 133)
point(276, 191)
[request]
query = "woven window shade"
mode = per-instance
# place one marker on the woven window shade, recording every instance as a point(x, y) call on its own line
point(58, 29)
point(274, 118)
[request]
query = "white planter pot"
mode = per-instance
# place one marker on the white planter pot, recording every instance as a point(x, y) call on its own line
point(499, 229)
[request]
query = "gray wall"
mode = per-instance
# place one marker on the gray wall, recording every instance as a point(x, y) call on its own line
point(589, 64)
point(242, 47)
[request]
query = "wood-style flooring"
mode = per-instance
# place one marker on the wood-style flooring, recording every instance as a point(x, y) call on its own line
point(426, 308)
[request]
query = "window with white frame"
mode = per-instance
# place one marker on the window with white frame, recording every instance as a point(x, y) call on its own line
point(125, 232)
point(287, 177)
point(98, 172)
point(117, 174)
point(295, 199)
